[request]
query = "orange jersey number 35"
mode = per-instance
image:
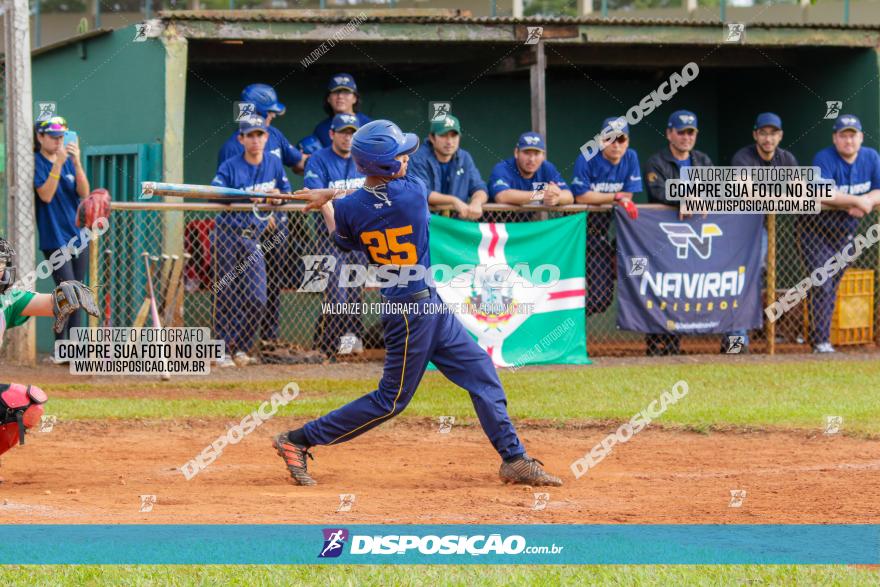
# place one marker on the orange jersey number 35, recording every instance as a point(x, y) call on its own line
point(386, 250)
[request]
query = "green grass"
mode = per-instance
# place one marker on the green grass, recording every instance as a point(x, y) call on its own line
point(791, 395)
point(340, 576)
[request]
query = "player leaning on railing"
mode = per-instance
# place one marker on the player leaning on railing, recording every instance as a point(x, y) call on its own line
point(388, 220)
point(21, 405)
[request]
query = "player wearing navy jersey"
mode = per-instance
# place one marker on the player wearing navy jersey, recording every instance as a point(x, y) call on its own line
point(267, 106)
point(856, 173)
point(388, 220)
point(333, 167)
point(610, 178)
point(342, 98)
point(528, 177)
point(237, 244)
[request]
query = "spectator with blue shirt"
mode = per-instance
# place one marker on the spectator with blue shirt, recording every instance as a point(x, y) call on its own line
point(610, 178)
point(333, 167)
point(855, 171)
point(681, 132)
point(59, 183)
point(528, 177)
point(241, 292)
point(266, 105)
point(342, 98)
point(449, 171)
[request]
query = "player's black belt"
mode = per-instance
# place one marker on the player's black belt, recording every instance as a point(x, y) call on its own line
point(419, 295)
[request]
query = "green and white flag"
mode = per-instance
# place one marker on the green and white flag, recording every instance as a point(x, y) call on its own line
point(529, 315)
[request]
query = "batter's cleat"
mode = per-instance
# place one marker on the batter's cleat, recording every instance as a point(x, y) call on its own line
point(527, 471)
point(294, 456)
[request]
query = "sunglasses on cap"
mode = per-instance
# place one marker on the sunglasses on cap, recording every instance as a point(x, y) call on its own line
point(54, 124)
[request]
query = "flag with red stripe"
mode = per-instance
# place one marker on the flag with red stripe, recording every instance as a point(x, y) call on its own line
point(518, 288)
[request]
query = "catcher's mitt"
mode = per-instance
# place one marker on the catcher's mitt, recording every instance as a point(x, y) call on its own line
point(69, 297)
point(95, 206)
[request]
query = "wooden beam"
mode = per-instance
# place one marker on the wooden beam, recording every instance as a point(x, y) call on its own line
point(537, 83)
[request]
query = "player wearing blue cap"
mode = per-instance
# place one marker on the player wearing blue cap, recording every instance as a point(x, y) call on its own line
point(855, 170)
point(611, 178)
point(277, 255)
point(528, 177)
point(681, 132)
point(237, 249)
point(388, 220)
point(342, 98)
point(267, 106)
point(448, 171)
point(332, 167)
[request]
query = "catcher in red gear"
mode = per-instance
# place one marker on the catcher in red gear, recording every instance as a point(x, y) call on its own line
point(21, 406)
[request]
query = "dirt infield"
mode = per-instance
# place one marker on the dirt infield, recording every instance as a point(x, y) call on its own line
point(406, 472)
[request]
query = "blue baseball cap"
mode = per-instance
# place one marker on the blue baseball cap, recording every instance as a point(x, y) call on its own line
point(252, 123)
point(616, 123)
point(768, 119)
point(847, 122)
point(342, 81)
point(341, 121)
point(682, 119)
point(531, 140)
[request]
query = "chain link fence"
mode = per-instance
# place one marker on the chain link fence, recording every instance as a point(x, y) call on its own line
point(252, 297)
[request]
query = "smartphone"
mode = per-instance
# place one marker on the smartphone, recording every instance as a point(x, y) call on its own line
point(70, 136)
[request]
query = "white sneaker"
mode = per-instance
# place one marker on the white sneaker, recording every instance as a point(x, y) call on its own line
point(226, 362)
point(823, 347)
point(242, 359)
point(350, 344)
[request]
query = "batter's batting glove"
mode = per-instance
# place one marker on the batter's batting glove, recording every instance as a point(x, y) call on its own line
point(527, 471)
point(631, 210)
point(69, 297)
point(294, 457)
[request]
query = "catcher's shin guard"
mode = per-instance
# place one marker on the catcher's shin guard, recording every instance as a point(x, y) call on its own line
point(21, 407)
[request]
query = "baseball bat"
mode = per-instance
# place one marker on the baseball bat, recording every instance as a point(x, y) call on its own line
point(177, 306)
point(154, 310)
point(171, 289)
point(164, 283)
point(108, 276)
point(204, 192)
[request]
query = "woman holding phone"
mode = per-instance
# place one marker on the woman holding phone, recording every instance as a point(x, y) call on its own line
point(59, 183)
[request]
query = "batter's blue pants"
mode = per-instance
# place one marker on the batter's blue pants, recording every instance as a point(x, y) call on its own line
point(411, 340)
point(817, 246)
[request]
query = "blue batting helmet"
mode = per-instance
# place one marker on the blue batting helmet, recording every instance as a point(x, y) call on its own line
point(264, 99)
point(376, 144)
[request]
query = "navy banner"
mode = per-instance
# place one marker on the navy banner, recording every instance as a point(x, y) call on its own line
point(693, 276)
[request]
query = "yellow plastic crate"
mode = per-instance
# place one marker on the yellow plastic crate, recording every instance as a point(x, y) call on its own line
point(853, 318)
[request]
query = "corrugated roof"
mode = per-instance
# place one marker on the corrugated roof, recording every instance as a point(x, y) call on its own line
point(333, 16)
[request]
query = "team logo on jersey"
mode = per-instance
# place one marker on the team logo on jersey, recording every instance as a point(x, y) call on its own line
point(276, 152)
point(71, 178)
point(684, 237)
point(334, 542)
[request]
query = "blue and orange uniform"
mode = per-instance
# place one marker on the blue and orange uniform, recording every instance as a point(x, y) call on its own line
point(389, 223)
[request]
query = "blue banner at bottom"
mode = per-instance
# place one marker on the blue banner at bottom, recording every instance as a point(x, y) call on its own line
point(440, 544)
